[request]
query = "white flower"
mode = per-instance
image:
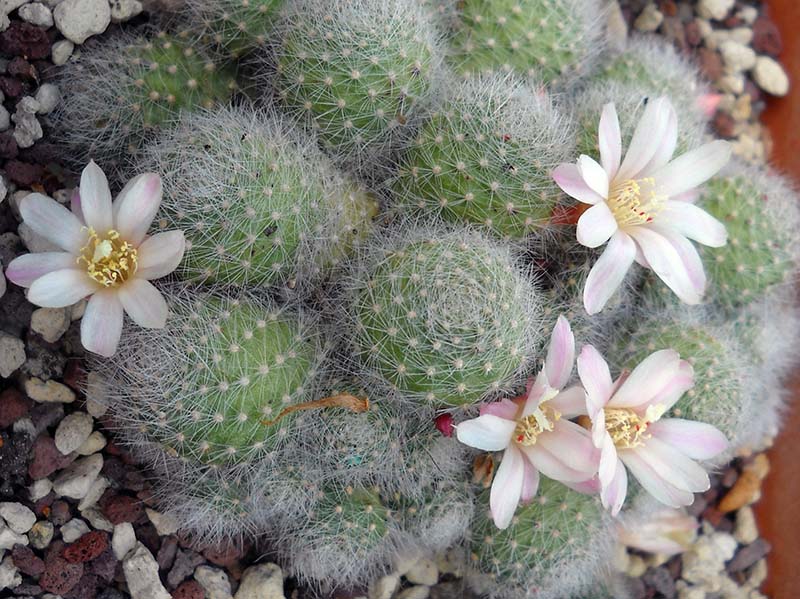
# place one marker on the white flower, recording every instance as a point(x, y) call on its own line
point(644, 205)
point(106, 255)
point(668, 532)
point(628, 430)
point(536, 434)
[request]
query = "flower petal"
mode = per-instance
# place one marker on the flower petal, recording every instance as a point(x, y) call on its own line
point(530, 483)
point(673, 466)
point(96, 198)
point(560, 354)
point(101, 325)
point(608, 462)
point(689, 257)
point(608, 272)
point(647, 139)
point(570, 402)
point(52, 221)
point(680, 383)
point(668, 264)
point(75, 204)
point(694, 223)
point(136, 206)
point(160, 254)
point(596, 225)
point(647, 379)
point(568, 177)
point(61, 288)
point(668, 142)
point(25, 269)
point(596, 379)
point(573, 446)
point(143, 303)
point(551, 465)
point(594, 175)
point(653, 483)
point(697, 440)
point(507, 487)
point(613, 495)
point(610, 140)
point(505, 408)
point(693, 168)
point(487, 432)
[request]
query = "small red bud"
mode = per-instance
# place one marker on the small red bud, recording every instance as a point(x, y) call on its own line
point(444, 424)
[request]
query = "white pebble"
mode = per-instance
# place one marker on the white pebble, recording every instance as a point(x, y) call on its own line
point(124, 10)
point(141, 574)
point(263, 581)
point(40, 488)
point(214, 582)
point(48, 391)
point(737, 57)
point(77, 479)
point(714, 9)
point(123, 540)
point(770, 76)
point(18, 517)
point(424, 572)
point(36, 13)
point(73, 431)
point(94, 494)
point(384, 587)
point(12, 354)
point(61, 51)
point(9, 538)
point(650, 19)
point(78, 20)
point(74, 530)
point(9, 575)
point(48, 96)
point(50, 323)
point(93, 444)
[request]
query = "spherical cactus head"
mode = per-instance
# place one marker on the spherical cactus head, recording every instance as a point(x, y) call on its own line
point(443, 315)
point(556, 41)
point(126, 87)
point(259, 204)
point(237, 27)
point(652, 64)
point(485, 158)
point(761, 212)
point(212, 386)
point(347, 539)
point(359, 72)
point(559, 531)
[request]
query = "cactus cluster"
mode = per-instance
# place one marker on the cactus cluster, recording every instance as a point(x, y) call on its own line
point(376, 249)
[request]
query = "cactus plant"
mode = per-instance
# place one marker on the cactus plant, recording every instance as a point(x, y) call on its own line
point(442, 315)
point(358, 72)
point(123, 89)
point(212, 386)
point(236, 26)
point(485, 157)
point(260, 205)
point(560, 531)
point(555, 41)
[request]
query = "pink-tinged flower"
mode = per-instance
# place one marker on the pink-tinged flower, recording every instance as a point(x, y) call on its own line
point(106, 254)
point(628, 430)
point(668, 532)
point(535, 433)
point(643, 205)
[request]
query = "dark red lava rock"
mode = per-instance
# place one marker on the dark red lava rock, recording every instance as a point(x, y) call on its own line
point(121, 508)
point(766, 37)
point(223, 554)
point(24, 174)
point(27, 561)
point(8, 146)
point(11, 87)
point(668, 7)
point(710, 63)
point(748, 555)
point(85, 589)
point(166, 553)
point(75, 375)
point(724, 125)
point(87, 547)
point(13, 406)
point(60, 513)
point(189, 590)
point(104, 565)
point(60, 576)
point(694, 37)
point(24, 39)
point(46, 458)
point(19, 67)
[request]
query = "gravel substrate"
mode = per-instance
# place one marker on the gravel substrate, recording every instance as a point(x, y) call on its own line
point(76, 520)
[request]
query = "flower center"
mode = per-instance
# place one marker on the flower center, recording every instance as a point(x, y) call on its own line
point(626, 427)
point(635, 202)
point(109, 260)
point(531, 426)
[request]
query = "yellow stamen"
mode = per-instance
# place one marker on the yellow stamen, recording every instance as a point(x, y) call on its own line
point(109, 260)
point(635, 202)
point(627, 429)
point(530, 427)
